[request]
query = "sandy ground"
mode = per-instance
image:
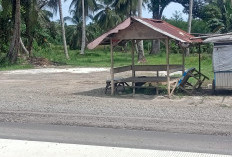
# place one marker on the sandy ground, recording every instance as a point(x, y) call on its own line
point(67, 98)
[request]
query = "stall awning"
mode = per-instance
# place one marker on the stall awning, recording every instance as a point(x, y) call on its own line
point(148, 29)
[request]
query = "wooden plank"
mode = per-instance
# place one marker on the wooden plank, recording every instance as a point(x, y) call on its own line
point(112, 66)
point(147, 79)
point(122, 69)
point(158, 67)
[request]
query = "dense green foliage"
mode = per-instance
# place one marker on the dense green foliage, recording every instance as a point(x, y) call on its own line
point(39, 33)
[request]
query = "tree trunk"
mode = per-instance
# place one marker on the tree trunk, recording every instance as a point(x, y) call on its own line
point(190, 22)
point(83, 29)
point(12, 55)
point(63, 30)
point(30, 44)
point(141, 57)
point(23, 47)
point(155, 48)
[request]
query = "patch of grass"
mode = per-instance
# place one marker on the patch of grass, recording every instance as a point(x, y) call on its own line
point(21, 64)
point(101, 58)
point(16, 67)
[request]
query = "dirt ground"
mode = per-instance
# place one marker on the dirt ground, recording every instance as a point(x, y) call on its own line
point(66, 98)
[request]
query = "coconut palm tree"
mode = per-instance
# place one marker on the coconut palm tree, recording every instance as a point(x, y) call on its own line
point(157, 7)
point(55, 4)
point(190, 21)
point(83, 9)
point(12, 55)
point(141, 57)
point(190, 15)
point(74, 32)
point(107, 17)
point(83, 41)
point(126, 7)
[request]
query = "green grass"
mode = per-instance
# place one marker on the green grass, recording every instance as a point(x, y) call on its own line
point(101, 58)
point(16, 67)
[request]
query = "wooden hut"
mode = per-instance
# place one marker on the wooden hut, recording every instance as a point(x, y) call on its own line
point(136, 29)
point(222, 61)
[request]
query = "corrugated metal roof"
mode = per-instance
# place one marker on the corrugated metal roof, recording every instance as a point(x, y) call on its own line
point(157, 25)
point(219, 39)
point(100, 39)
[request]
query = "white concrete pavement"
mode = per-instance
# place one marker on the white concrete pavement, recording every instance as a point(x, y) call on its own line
point(22, 148)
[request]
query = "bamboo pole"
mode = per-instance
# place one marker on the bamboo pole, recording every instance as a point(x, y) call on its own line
point(133, 64)
point(112, 66)
point(168, 67)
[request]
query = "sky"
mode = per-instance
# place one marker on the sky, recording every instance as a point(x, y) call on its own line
point(168, 12)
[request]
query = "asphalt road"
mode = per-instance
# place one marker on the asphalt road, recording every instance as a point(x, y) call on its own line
point(118, 138)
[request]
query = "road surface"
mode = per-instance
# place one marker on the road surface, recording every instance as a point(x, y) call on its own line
point(118, 138)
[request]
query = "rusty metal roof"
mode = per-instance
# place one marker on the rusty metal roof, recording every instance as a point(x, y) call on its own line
point(157, 25)
point(219, 39)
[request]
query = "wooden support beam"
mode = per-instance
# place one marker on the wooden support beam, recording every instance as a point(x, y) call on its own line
point(183, 61)
point(112, 66)
point(133, 64)
point(173, 67)
point(199, 60)
point(168, 68)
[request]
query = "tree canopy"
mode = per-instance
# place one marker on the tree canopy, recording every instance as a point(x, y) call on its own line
point(38, 30)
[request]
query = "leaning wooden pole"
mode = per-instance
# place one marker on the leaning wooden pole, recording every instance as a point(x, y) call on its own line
point(112, 66)
point(168, 67)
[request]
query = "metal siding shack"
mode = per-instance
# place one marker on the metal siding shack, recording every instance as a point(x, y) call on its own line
point(222, 61)
point(223, 80)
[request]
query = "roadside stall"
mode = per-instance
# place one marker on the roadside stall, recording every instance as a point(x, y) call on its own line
point(135, 29)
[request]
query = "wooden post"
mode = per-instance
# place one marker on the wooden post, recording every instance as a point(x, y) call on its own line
point(112, 66)
point(133, 64)
point(157, 90)
point(168, 67)
point(199, 60)
point(183, 61)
